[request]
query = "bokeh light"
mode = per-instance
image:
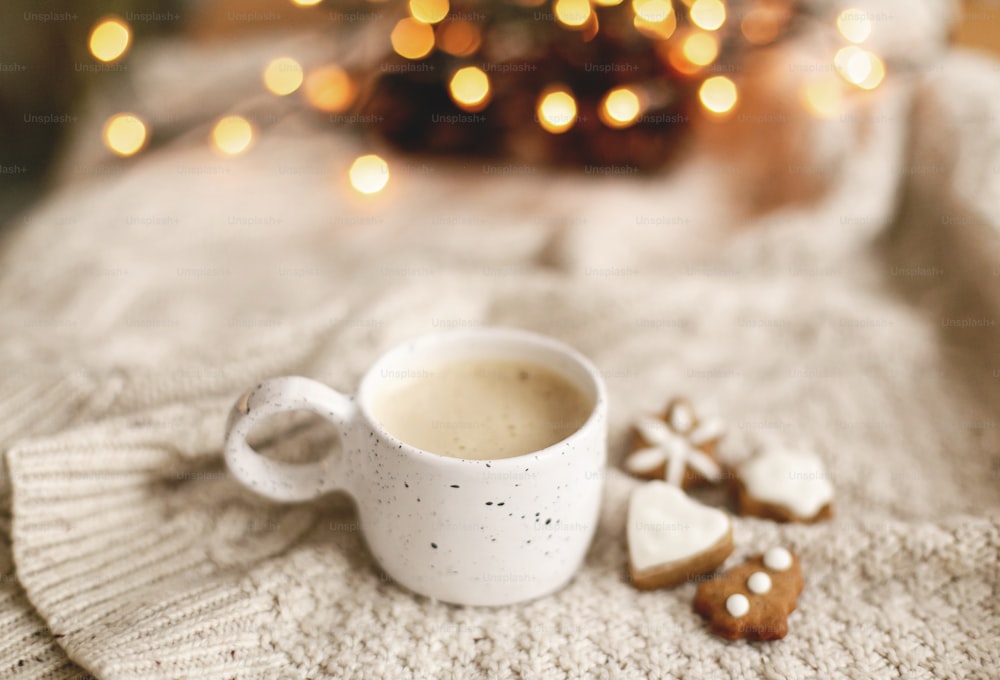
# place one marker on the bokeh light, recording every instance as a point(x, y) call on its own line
point(620, 107)
point(470, 88)
point(708, 14)
point(876, 73)
point(412, 39)
point(823, 96)
point(859, 67)
point(556, 110)
point(652, 11)
point(657, 30)
point(429, 11)
point(854, 25)
point(459, 37)
point(110, 39)
point(282, 76)
point(232, 135)
point(572, 13)
point(369, 174)
point(306, 3)
point(125, 134)
point(329, 89)
point(718, 94)
point(700, 49)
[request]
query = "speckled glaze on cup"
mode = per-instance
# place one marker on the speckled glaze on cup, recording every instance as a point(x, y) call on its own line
point(474, 532)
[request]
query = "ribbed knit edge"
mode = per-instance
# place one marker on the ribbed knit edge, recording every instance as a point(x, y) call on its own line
point(207, 632)
point(32, 404)
point(39, 400)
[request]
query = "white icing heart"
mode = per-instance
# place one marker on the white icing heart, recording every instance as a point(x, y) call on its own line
point(666, 525)
point(793, 479)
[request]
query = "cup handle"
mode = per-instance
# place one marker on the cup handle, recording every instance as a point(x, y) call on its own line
point(280, 481)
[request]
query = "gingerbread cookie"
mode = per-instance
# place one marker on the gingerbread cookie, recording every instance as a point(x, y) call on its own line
point(672, 538)
point(786, 486)
point(679, 447)
point(754, 599)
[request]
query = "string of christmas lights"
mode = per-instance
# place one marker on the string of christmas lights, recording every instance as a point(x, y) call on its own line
point(551, 81)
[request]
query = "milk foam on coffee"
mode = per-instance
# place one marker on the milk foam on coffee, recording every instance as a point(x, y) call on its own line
point(484, 409)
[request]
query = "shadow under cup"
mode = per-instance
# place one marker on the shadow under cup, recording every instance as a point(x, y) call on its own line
point(477, 532)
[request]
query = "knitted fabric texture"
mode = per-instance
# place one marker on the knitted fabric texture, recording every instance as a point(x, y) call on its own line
point(856, 325)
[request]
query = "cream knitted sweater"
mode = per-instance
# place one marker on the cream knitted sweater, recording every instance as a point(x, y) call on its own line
point(861, 323)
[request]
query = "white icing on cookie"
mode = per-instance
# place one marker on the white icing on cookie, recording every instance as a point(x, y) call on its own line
point(737, 605)
point(795, 480)
point(666, 446)
point(681, 418)
point(759, 583)
point(707, 430)
point(778, 559)
point(666, 525)
point(644, 460)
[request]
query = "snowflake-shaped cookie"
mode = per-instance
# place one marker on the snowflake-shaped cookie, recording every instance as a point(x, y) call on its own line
point(679, 447)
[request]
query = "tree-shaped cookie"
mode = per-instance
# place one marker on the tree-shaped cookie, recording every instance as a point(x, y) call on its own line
point(754, 599)
point(679, 447)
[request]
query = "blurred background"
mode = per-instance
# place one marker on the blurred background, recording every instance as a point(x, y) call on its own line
point(66, 71)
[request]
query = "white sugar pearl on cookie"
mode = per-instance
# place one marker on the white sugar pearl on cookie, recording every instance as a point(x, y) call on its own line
point(759, 583)
point(778, 559)
point(737, 605)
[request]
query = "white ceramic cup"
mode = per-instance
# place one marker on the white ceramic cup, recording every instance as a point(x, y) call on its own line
point(475, 532)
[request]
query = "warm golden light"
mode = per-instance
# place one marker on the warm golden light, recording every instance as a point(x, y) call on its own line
point(718, 94)
point(700, 49)
point(652, 11)
point(470, 88)
point(843, 57)
point(232, 135)
point(673, 53)
point(572, 13)
point(109, 39)
point(429, 11)
point(859, 67)
point(607, 3)
point(620, 108)
point(459, 38)
point(412, 39)
point(369, 174)
point(657, 30)
point(283, 76)
point(875, 75)
point(329, 89)
point(556, 110)
point(854, 25)
point(708, 14)
point(823, 97)
point(306, 3)
point(124, 134)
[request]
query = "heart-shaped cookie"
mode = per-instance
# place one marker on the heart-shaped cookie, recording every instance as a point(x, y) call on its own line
point(672, 537)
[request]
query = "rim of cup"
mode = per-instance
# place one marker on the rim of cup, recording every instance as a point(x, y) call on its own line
point(596, 390)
